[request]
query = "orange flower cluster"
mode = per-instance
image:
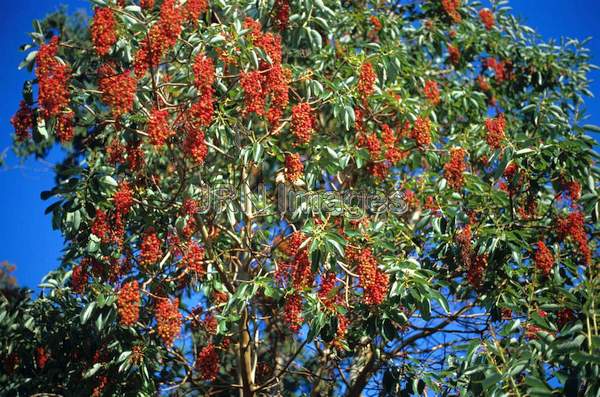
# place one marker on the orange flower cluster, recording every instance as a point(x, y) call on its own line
point(495, 130)
point(543, 258)
point(118, 89)
point(207, 363)
point(128, 303)
point(103, 31)
point(159, 129)
point(293, 167)
point(454, 169)
point(168, 320)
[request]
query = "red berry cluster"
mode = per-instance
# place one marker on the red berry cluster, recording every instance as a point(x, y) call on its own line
point(159, 129)
point(495, 130)
point(574, 226)
point(161, 37)
point(194, 259)
point(291, 245)
point(487, 17)
point(128, 303)
point(103, 31)
point(207, 363)
point(118, 89)
point(123, 198)
point(195, 146)
point(303, 122)
point(282, 14)
point(22, 121)
point(41, 357)
point(451, 8)
point(100, 226)
point(573, 188)
point(371, 279)
point(254, 98)
point(326, 290)
point(168, 320)
point(499, 68)
point(147, 4)
point(293, 167)
point(99, 389)
point(432, 92)
point(376, 23)
point(543, 258)
point(79, 278)
point(53, 98)
point(292, 312)
point(192, 9)
point(366, 81)
point(454, 54)
point(150, 250)
point(476, 270)
point(454, 169)
point(421, 132)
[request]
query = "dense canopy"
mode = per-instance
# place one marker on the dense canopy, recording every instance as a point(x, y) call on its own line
point(439, 225)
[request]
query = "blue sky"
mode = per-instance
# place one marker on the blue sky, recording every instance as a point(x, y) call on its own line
point(27, 239)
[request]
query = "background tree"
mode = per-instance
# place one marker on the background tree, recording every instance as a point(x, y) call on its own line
point(486, 286)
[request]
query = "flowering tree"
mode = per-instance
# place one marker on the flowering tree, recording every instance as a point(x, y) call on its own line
point(186, 124)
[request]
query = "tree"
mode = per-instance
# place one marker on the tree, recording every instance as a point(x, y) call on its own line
point(310, 198)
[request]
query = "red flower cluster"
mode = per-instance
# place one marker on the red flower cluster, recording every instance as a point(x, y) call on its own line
point(53, 79)
point(192, 9)
point(487, 17)
point(476, 270)
point(123, 198)
point(421, 132)
point(495, 130)
point(158, 127)
point(543, 258)
point(292, 312)
point(128, 303)
point(454, 54)
point(574, 226)
point(451, 8)
point(207, 363)
point(303, 122)
point(103, 31)
point(366, 81)
point(373, 281)
point(118, 89)
point(282, 14)
point(168, 320)
point(150, 251)
point(41, 357)
point(432, 92)
point(195, 146)
point(293, 167)
point(22, 121)
point(194, 259)
point(454, 169)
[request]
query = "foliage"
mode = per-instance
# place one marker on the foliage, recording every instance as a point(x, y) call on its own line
point(486, 285)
